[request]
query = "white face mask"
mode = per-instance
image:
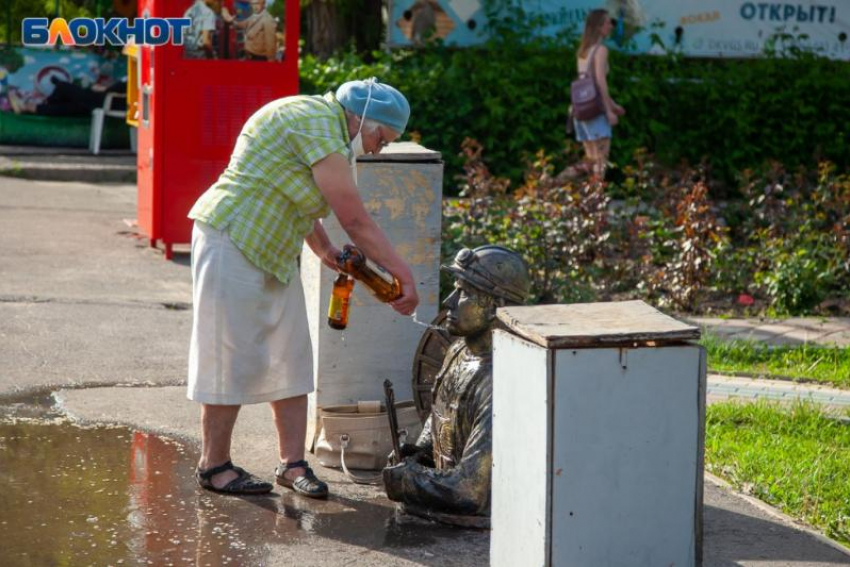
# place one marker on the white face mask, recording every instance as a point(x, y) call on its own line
point(356, 145)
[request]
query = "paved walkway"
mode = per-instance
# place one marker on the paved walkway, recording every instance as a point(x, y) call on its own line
point(725, 387)
point(832, 331)
point(793, 331)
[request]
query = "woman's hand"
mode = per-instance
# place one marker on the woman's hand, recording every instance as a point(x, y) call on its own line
point(406, 304)
point(619, 110)
point(330, 256)
point(612, 117)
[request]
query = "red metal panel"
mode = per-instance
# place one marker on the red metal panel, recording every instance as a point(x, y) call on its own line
point(148, 189)
point(197, 109)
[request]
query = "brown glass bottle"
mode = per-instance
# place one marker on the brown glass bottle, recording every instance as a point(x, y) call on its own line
point(340, 301)
point(380, 283)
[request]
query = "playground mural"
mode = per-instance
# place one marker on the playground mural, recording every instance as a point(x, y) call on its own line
point(30, 73)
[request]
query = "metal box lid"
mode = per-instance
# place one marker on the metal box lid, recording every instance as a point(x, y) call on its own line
point(622, 323)
point(403, 152)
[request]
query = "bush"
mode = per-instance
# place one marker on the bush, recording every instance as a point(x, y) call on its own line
point(798, 237)
point(666, 242)
point(510, 94)
point(561, 231)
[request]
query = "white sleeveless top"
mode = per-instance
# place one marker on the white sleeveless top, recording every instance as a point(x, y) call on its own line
point(583, 61)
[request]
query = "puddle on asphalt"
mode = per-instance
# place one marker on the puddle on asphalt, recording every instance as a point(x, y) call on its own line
point(114, 496)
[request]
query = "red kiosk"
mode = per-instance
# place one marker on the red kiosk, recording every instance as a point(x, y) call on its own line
point(193, 99)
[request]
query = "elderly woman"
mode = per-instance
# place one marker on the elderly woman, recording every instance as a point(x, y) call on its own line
point(293, 164)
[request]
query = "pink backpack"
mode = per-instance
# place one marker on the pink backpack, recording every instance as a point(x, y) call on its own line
point(587, 103)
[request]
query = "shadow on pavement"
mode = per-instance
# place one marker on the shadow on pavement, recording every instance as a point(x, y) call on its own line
point(729, 542)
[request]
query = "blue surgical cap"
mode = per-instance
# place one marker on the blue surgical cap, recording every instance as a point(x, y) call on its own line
point(386, 105)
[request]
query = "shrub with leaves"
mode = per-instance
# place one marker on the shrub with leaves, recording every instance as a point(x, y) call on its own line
point(560, 230)
point(797, 237)
point(694, 236)
point(667, 241)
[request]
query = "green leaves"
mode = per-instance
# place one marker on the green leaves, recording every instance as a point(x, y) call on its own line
point(561, 230)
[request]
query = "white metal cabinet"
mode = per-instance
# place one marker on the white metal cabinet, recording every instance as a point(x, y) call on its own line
point(598, 433)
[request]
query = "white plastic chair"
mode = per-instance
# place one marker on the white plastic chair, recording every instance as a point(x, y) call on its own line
point(98, 115)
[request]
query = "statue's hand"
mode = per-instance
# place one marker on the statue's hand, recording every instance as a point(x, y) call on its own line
point(418, 454)
point(393, 481)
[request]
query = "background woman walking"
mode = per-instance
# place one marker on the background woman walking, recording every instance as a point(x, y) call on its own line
point(595, 133)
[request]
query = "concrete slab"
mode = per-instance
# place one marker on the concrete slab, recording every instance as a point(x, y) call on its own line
point(840, 339)
point(49, 343)
point(820, 324)
point(767, 335)
point(70, 241)
point(83, 300)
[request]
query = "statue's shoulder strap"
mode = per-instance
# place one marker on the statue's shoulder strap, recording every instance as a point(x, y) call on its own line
point(453, 352)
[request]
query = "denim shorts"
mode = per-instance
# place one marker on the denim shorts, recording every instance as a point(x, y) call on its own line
point(595, 129)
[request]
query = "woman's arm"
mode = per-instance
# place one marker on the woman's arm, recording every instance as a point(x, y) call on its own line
point(601, 74)
point(333, 177)
point(321, 246)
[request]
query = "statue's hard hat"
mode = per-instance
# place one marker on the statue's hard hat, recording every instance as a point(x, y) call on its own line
point(495, 270)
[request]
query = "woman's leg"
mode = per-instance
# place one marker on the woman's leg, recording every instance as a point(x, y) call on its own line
point(589, 156)
point(603, 149)
point(216, 431)
point(290, 419)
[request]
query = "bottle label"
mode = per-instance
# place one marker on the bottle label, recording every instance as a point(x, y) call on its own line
point(380, 272)
point(335, 308)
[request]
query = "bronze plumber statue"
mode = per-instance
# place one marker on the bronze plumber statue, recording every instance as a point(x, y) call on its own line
point(446, 474)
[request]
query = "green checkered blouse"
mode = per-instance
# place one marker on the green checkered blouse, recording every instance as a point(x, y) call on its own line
point(266, 197)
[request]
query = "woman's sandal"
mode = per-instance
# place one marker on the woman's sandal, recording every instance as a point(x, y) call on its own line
point(306, 484)
point(245, 483)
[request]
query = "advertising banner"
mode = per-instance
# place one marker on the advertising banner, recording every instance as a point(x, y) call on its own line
point(698, 28)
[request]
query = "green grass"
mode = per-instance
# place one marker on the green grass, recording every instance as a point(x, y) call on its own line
point(823, 364)
point(795, 458)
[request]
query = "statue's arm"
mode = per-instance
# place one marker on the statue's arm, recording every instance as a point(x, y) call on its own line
point(463, 489)
point(424, 442)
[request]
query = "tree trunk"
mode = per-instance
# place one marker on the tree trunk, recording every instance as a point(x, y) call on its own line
point(367, 26)
point(324, 31)
point(331, 25)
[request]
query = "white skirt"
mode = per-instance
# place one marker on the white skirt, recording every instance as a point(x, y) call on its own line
point(250, 337)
